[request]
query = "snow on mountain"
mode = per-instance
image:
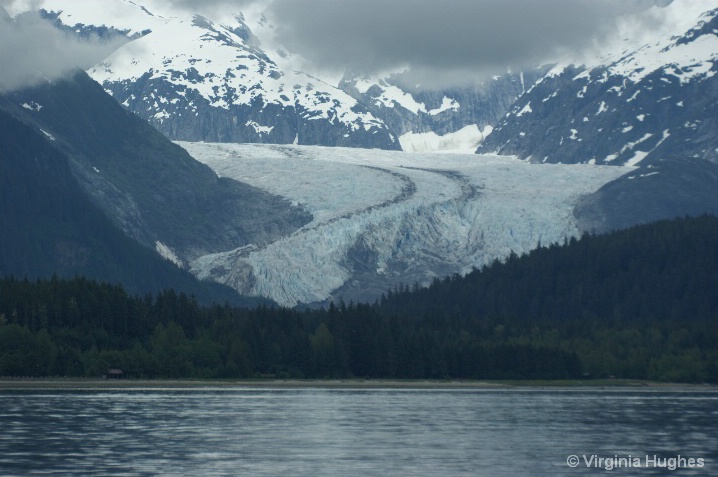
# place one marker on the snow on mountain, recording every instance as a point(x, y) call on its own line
point(677, 40)
point(227, 79)
point(125, 16)
point(382, 218)
point(433, 120)
point(622, 107)
point(202, 80)
point(645, 105)
point(651, 102)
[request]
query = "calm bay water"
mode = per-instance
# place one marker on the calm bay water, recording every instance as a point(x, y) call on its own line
point(355, 432)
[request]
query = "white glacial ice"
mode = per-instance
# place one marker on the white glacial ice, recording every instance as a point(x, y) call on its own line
point(418, 215)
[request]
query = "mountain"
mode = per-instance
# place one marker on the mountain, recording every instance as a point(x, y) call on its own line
point(597, 145)
point(457, 118)
point(82, 177)
point(151, 189)
point(214, 80)
point(199, 80)
point(223, 79)
point(50, 227)
point(652, 106)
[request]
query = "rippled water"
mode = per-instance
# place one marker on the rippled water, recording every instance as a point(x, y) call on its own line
point(366, 432)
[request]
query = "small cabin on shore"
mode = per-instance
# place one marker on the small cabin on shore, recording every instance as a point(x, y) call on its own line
point(115, 373)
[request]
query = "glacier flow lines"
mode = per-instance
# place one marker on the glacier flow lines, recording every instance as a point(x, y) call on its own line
point(382, 218)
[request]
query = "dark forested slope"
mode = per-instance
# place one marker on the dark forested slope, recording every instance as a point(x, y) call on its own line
point(662, 271)
point(635, 304)
point(149, 187)
point(49, 226)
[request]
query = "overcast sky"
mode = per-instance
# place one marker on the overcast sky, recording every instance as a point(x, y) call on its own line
point(440, 40)
point(447, 38)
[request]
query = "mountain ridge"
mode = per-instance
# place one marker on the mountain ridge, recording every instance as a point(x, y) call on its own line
point(51, 228)
point(266, 231)
point(652, 106)
point(151, 188)
point(198, 80)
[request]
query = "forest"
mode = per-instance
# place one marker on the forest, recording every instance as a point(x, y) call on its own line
point(636, 304)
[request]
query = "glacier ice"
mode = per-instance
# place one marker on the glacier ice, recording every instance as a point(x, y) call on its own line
point(382, 218)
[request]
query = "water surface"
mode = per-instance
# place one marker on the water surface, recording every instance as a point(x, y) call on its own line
point(352, 432)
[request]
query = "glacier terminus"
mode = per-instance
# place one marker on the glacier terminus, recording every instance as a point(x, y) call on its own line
point(384, 218)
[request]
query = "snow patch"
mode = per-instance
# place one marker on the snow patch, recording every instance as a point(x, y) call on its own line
point(632, 145)
point(161, 116)
point(638, 156)
point(649, 174)
point(47, 134)
point(392, 96)
point(259, 129)
point(552, 95)
point(168, 253)
point(633, 96)
point(526, 109)
point(447, 104)
point(122, 15)
point(32, 106)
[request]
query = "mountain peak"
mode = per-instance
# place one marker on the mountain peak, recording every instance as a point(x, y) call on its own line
point(198, 79)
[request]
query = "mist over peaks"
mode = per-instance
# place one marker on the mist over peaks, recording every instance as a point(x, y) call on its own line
point(447, 41)
point(33, 50)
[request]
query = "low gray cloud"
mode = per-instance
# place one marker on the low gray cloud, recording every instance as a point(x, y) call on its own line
point(32, 50)
point(194, 5)
point(208, 7)
point(442, 42)
point(16, 6)
point(448, 39)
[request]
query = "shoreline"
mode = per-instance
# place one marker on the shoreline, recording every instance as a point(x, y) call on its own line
point(21, 384)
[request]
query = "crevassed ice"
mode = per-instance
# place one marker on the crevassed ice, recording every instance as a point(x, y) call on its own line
point(416, 215)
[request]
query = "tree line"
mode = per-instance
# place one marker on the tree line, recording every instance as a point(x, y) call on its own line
point(638, 304)
point(82, 328)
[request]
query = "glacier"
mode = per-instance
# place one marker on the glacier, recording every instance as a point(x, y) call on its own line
point(383, 218)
